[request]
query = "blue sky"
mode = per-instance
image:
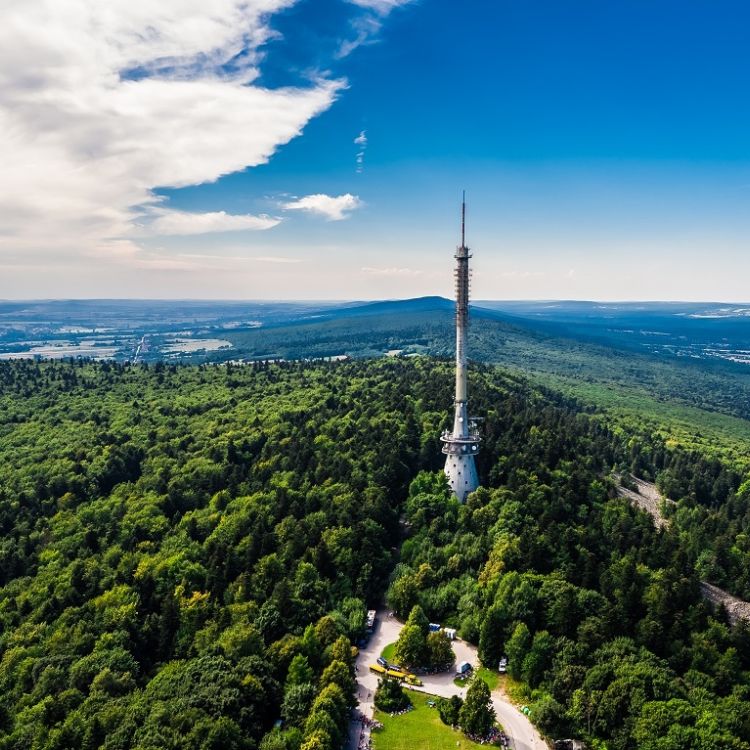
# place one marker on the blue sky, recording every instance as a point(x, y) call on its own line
point(603, 146)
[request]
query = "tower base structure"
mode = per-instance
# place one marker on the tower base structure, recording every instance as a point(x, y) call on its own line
point(462, 475)
point(460, 446)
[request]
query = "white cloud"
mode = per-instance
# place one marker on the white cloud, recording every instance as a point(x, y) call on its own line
point(361, 141)
point(228, 261)
point(393, 271)
point(185, 222)
point(366, 27)
point(520, 274)
point(102, 102)
point(334, 208)
point(380, 6)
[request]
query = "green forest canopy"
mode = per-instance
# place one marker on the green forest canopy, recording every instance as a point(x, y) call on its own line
point(188, 552)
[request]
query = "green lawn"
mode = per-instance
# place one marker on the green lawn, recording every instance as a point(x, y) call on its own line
point(491, 677)
point(420, 729)
point(388, 652)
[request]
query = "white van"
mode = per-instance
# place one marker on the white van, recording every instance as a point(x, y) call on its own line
point(463, 669)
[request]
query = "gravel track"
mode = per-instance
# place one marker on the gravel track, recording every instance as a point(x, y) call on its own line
point(649, 499)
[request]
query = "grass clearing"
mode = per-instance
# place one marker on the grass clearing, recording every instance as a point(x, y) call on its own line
point(419, 729)
point(388, 652)
point(518, 692)
point(491, 677)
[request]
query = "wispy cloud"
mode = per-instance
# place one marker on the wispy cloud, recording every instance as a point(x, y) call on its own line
point(333, 208)
point(366, 27)
point(380, 6)
point(169, 222)
point(521, 274)
point(102, 102)
point(204, 262)
point(361, 141)
point(393, 271)
point(275, 259)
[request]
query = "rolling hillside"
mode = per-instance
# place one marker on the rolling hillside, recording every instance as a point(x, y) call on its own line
point(697, 402)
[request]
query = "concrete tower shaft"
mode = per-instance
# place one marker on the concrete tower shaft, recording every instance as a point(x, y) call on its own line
point(462, 444)
point(462, 319)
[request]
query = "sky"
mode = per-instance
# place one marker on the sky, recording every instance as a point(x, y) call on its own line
point(317, 149)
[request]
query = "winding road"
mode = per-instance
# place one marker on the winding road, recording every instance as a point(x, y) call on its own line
point(522, 733)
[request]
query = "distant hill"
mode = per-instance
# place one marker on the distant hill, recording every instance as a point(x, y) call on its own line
point(689, 397)
point(399, 306)
point(686, 365)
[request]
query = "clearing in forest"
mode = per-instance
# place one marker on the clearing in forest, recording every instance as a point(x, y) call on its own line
point(419, 728)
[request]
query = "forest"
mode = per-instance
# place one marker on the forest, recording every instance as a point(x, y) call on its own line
point(188, 553)
point(426, 326)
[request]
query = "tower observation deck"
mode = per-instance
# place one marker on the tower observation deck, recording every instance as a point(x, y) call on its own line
point(462, 444)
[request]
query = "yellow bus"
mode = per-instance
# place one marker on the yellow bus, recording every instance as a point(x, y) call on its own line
point(397, 674)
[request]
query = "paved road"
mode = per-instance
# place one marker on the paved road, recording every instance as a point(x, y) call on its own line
point(519, 729)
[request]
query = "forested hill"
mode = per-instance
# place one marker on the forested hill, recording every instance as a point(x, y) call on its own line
point(188, 553)
point(426, 326)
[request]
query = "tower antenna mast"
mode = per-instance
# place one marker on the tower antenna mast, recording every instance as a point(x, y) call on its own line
point(463, 219)
point(461, 444)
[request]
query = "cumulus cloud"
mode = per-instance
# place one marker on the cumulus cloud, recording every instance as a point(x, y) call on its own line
point(103, 102)
point(185, 222)
point(333, 208)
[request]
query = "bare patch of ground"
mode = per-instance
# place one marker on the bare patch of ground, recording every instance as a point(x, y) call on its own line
point(648, 498)
point(737, 609)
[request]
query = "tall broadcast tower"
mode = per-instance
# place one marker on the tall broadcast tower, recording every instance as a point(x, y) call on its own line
point(461, 445)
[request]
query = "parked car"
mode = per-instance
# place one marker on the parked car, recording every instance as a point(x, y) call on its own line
point(382, 661)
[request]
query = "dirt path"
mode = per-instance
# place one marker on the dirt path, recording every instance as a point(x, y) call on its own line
point(522, 733)
point(646, 497)
point(649, 498)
